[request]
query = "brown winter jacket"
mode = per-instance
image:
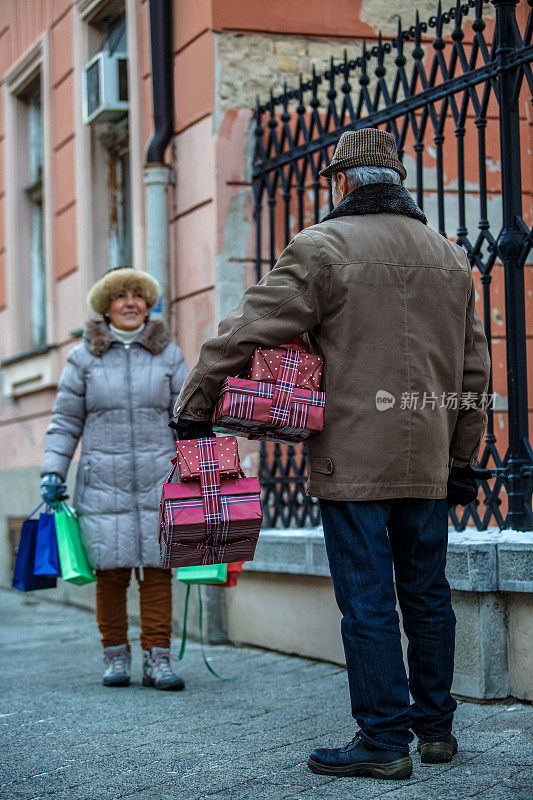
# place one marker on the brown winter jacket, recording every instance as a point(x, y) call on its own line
point(391, 305)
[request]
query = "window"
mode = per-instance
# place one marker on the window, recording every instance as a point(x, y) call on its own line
point(110, 153)
point(26, 209)
point(29, 362)
point(34, 196)
point(115, 139)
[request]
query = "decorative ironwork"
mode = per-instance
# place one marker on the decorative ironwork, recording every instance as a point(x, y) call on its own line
point(282, 469)
point(455, 103)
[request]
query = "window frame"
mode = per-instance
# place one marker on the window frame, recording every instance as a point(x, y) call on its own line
point(32, 65)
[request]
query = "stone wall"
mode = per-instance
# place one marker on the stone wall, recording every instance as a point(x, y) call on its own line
point(251, 65)
point(285, 601)
point(383, 15)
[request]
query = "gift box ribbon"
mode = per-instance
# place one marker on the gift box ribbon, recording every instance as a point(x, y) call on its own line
point(216, 513)
point(266, 391)
point(284, 388)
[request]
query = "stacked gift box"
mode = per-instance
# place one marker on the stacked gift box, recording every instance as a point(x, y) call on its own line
point(213, 515)
point(277, 399)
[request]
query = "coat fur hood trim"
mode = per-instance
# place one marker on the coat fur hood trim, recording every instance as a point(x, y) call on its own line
point(98, 338)
point(378, 198)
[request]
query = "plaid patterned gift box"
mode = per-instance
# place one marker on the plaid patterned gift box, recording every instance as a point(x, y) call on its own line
point(266, 363)
point(277, 413)
point(208, 521)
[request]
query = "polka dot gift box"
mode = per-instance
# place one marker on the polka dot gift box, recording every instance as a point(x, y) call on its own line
point(189, 456)
point(265, 365)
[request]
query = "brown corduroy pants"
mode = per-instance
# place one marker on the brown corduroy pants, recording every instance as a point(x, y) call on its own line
point(156, 606)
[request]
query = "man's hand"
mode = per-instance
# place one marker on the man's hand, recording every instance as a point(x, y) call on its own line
point(463, 485)
point(190, 429)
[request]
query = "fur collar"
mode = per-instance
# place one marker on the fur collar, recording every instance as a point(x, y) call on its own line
point(98, 338)
point(378, 198)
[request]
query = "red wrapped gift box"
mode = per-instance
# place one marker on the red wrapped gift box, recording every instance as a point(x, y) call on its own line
point(246, 408)
point(208, 522)
point(266, 363)
point(183, 537)
point(226, 453)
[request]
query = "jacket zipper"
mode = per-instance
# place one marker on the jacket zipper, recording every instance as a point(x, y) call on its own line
point(133, 466)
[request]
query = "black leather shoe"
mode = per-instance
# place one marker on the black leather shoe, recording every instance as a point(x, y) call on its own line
point(358, 758)
point(440, 752)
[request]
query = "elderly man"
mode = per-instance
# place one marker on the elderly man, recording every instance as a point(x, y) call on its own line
point(391, 306)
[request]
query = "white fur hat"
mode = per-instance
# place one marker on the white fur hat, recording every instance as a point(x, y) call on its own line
point(118, 280)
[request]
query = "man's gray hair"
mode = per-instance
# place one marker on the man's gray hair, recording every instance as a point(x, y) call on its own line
point(361, 176)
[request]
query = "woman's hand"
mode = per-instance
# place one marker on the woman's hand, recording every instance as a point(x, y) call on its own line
point(52, 488)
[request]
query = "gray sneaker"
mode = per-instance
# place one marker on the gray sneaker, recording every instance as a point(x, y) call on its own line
point(157, 671)
point(118, 665)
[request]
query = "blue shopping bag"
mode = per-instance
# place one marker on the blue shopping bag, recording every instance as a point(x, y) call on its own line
point(46, 555)
point(23, 578)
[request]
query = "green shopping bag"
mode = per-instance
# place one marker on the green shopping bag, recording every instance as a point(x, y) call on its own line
point(208, 573)
point(74, 565)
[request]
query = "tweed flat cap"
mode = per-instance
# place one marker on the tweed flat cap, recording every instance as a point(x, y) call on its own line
point(368, 147)
point(118, 280)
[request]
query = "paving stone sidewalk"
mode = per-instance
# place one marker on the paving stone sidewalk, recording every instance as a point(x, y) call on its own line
point(66, 737)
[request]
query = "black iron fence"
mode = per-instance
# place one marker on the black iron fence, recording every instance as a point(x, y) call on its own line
point(456, 93)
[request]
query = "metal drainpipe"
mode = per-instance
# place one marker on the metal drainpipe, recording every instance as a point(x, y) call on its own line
point(156, 172)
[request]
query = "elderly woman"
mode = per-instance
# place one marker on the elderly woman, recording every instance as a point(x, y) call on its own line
point(116, 393)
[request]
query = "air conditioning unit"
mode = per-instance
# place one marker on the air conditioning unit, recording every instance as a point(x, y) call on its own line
point(105, 87)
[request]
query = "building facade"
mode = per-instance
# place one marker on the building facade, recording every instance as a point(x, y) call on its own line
point(72, 205)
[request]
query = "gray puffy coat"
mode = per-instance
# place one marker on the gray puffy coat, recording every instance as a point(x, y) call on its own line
point(119, 400)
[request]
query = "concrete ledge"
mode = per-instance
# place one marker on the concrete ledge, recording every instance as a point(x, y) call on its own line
point(487, 561)
point(515, 562)
point(490, 573)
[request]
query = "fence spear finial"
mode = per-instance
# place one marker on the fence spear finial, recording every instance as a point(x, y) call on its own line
point(457, 33)
point(400, 58)
point(258, 118)
point(300, 109)
point(315, 80)
point(418, 52)
point(398, 42)
point(363, 78)
point(439, 43)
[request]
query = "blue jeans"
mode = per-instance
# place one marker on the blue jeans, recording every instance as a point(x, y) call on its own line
point(363, 541)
